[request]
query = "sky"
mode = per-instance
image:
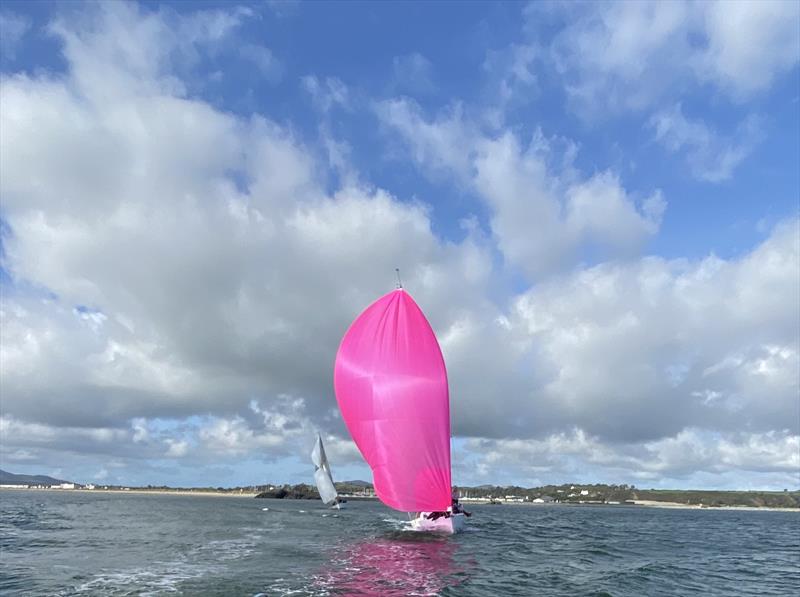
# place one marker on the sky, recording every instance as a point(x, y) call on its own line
point(596, 205)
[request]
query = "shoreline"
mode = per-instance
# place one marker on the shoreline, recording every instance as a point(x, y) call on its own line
point(648, 504)
point(655, 504)
point(236, 494)
point(679, 506)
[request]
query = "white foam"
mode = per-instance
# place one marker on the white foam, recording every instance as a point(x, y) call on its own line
point(146, 581)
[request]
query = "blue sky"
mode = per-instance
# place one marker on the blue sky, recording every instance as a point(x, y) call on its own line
point(595, 204)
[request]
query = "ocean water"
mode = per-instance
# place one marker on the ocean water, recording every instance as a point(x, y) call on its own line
point(76, 543)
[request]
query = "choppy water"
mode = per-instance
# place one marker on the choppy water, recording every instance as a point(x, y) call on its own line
point(62, 543)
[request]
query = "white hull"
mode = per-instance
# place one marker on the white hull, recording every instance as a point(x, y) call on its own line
point(455, 523)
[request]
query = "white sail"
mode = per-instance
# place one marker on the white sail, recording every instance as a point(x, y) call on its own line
point(322, 473)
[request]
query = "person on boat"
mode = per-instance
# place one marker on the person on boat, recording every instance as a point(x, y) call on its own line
point(456, 508)
point(436, 515)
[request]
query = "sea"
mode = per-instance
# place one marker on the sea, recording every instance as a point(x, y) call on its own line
point(84, 543)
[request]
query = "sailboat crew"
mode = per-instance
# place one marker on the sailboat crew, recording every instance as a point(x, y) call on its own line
point(455, 508)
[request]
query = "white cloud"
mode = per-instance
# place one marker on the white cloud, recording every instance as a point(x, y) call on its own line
point(176, 448)
point(541, 212)
point(614, 56)
point(213, 310)
point(749, 44)
point(599, 210)
point(442, 146)
point(675, 460)
point(215, 277)
point(118, 49)
point(710, 156)
point(232, 437)
point(15, 432)
point(620, 55)
point(140, 431)
point(631, 351)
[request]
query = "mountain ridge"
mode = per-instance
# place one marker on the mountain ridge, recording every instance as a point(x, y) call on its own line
point(7, 478)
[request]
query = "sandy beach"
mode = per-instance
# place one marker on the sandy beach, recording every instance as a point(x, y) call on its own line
point(678, 505)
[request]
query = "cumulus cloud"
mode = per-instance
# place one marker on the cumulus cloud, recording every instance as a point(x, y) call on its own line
point(614, 56)
point(749, 44)
point(180, 278)
point(213, 310)
point(693, 456)
point(629, 347)
point(542, 213)
point(118, 49)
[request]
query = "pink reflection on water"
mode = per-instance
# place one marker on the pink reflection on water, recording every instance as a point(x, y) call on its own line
point(392, 568)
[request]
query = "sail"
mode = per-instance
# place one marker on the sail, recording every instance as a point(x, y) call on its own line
point(391, 385)
point(322, 473)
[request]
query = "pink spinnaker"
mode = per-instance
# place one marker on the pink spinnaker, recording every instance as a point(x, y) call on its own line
point(391, 385)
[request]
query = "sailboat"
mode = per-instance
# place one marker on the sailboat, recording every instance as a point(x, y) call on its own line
point(391, 386)
point(323, 477)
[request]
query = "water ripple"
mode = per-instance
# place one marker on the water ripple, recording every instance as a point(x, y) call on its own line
point(82, 544)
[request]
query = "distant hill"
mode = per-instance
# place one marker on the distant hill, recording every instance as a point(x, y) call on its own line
point(357, 483)
point(7, 478)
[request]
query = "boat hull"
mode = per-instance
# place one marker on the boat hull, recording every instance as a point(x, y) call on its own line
point(450, 525)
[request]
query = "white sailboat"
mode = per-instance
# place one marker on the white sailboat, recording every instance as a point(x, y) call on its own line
point(323, 477)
